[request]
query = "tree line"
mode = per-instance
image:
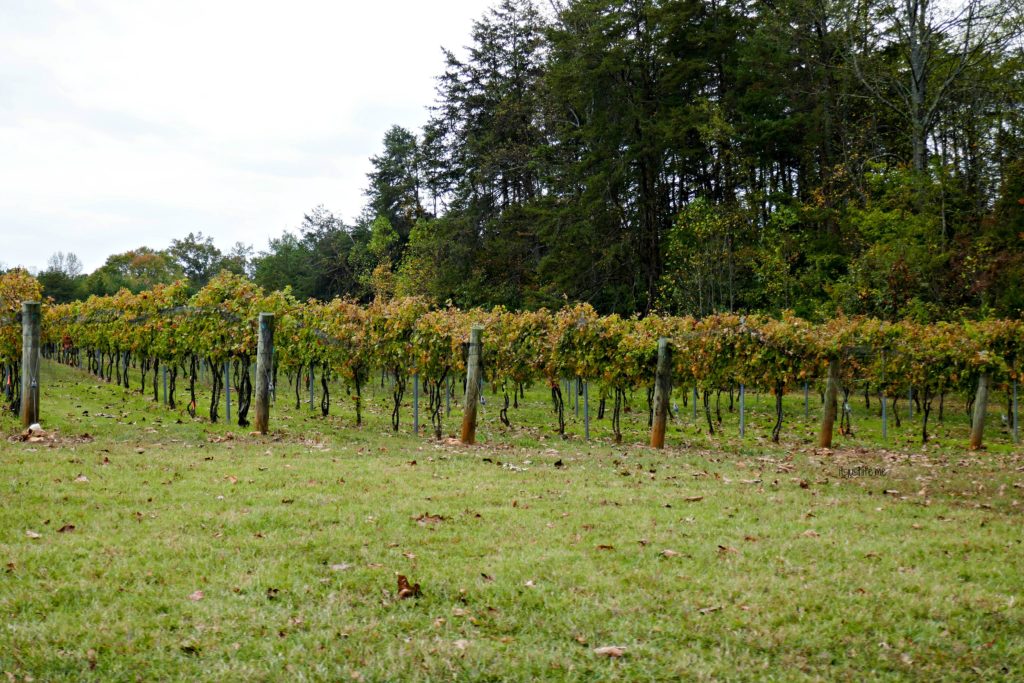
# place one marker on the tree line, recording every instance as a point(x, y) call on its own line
point(821, 156)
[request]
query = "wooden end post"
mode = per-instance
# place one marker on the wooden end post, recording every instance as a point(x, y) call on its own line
point(472, 385)
point(29, 363)
point(264, 364)
point(828, 419)
point(980, 408)
point(662, 392)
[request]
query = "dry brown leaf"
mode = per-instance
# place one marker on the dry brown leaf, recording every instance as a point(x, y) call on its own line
point(82, 479)
point(693, 499)
point(196, 596)
point(727, 549)
point(606, 547)
point(613, 651)
point(709, 610)
point(811, 533)
point(669, 553)
point(405, 590)
point(66, 529)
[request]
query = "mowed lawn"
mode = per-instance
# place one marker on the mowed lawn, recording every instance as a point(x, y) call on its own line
point(137, 544)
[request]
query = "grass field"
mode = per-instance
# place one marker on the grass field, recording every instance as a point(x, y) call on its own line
point(202, 552)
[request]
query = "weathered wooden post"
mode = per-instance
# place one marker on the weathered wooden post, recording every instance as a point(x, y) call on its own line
point(311, 377)
point(29, 363)
point(1016, 415)
point(586, 410)
point(264, 366)
point(472, 385)
point(980, 408)
point(885, 407)
point(416, 403)
point(662, 392)
point(828, 419)
point(743, 410)
point(227, 392)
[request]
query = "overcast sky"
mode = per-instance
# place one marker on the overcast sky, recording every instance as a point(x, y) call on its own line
point(127, 123)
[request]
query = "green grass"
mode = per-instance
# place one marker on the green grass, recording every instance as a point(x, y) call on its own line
point(783, 569)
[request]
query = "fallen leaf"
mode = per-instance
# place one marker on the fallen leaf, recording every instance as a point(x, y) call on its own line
point(669, 553)
point(606, 547)
point(407, 591)
point(811, 533)
point(82, 479)
point(750, 538)
point(409, 556)
point(427, 518)
point(66, 529)
point(32, 534)
point(461, 643)
point(613, 651)
point(487, 577)
point(196, 596)
point(530, 584)
point(727, 549)
point(709, 610)
point(340, 567)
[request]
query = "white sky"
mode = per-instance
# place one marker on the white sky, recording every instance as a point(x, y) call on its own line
point(126, 123)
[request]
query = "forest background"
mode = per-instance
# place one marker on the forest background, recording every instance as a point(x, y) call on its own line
point(690, 157)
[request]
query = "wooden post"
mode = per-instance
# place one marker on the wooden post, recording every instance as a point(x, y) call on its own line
point(807, 409)
point(695, 403)
point(164, 375)
point(312, 368)
point(29, 363)
point(885, 407)
point(662, 392)
point(416, 403)
point(227, 392)
point(743, 410)
point(1016, 415)
point(264, 365)
point(586, 409)
point(472, 385)
point(980, 408)
point(829, 417)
